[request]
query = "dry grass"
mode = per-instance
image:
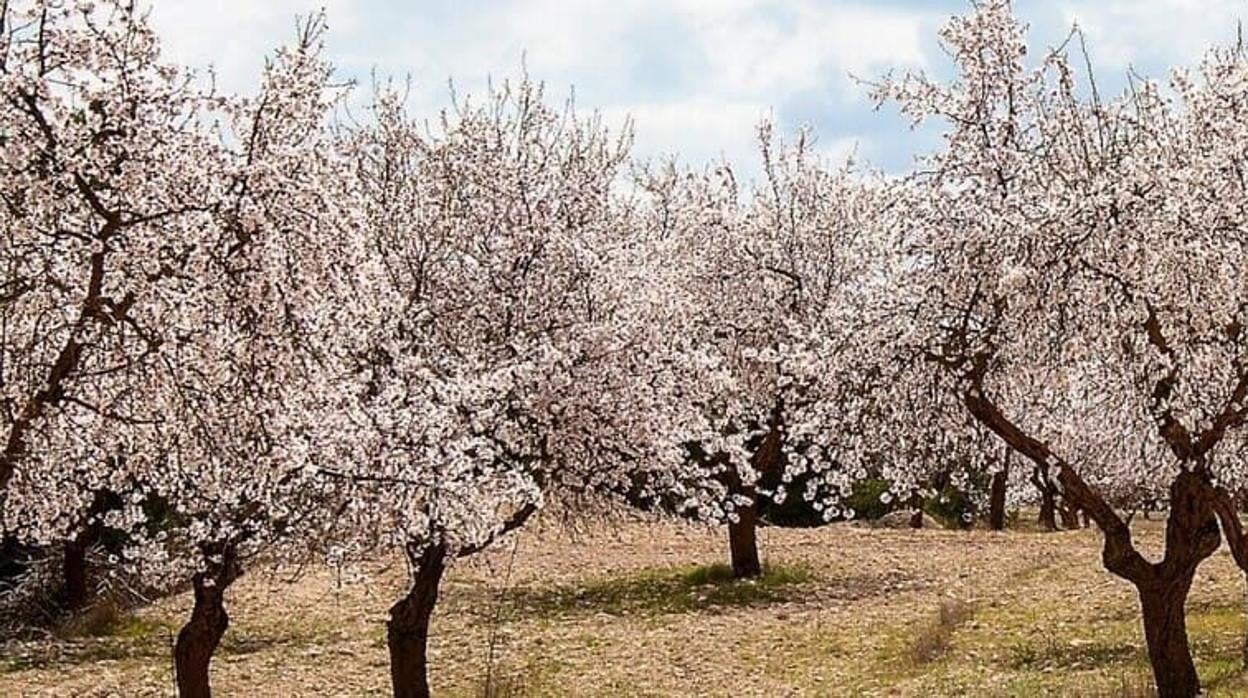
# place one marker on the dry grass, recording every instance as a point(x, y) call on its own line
point(644, 610)
point(933, 637)
point(1133, 685)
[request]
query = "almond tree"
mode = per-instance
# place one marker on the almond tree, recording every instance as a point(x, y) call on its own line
point(165, 262)
point(784, 283)
point(507, 356)
point(105, 165)
point(101, 172)
point(247, 388)
point(1077, 278)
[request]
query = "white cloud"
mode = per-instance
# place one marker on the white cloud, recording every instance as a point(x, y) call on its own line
point(697, 75)
point(1169, 32)
point(807, 45)
point(695, 131)
point(762, 48)
point(234, 36)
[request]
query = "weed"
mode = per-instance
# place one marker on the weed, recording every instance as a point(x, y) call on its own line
point(933, 638)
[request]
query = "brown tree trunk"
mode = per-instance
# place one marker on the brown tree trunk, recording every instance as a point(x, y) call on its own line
point(743, 533)
point(1192, 535)
point(199, 638)
point(74, 569)
point(1165, 631)
point(1070, 516)
point(74, 563)
point(743, 543)
point(1048, 500)
point(996, 497)
point(1048, 512)
point(407, 631)
point(916, 503)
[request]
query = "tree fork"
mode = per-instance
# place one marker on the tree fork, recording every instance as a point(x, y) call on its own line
point(1192, 535)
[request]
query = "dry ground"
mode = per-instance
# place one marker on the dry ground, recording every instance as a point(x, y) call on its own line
point(634, 611)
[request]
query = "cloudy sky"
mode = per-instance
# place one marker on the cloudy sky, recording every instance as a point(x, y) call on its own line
point(695, 75)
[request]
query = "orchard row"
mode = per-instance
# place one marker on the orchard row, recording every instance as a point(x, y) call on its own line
point(271, 326)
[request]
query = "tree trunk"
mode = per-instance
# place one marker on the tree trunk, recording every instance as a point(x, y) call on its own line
point(1070, 516)
point(996, 498)
point(74, 569)
point(743, 533)
point(1192, 535)
point(407, 631)
point(743, 543)
point(1165, 630)
point(1048, 512)
point(199, 638)
point(916, 503)
point(1048, 500)
point(74, 563)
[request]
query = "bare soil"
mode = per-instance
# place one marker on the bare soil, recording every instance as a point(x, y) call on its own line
point(639, 609)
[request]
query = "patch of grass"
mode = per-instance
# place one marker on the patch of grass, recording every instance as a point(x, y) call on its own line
point(671, 590)
point(238, 644)
point(509, 680)
point(106, 631)
point(933, 638)
point(109, 632)
point(110, 619)
point(66, 654)
point(1051, 654)
point(306, 634)
point(86, 654)
point(1131, 684)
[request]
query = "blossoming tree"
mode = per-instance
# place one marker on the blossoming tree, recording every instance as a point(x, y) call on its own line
point(166, 263)
point(785, 283)
point(1075, 278)
point(508, 355)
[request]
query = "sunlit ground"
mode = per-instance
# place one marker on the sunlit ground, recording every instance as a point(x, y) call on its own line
point(648, 609)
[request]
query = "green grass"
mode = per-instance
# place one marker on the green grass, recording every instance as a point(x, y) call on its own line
point(1044, 649)
point(1050, 654)
point(110, 620)
point(112, 633)
point(104, 632)
point(665, 590)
